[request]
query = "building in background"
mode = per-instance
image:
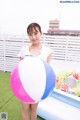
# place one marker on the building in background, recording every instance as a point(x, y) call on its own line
point(54, 24)
point(54, 29)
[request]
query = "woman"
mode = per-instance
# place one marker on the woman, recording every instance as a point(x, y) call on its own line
point(38, 50)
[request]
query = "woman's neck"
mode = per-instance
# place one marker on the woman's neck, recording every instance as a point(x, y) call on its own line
point(35, 49)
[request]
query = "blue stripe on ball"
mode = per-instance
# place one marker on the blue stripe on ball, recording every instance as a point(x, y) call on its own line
point(50, 80)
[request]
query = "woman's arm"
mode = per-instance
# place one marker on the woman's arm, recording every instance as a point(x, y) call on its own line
point(49, 58)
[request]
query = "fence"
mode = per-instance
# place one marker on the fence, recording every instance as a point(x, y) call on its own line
point(64, 48)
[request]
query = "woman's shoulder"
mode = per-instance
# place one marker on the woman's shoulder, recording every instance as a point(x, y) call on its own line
point(23, 48)
point(23, 51)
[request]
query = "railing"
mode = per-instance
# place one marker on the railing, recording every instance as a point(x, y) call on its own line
point(64, 48)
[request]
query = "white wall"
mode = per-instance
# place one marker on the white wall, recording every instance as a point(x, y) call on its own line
point(64, 48)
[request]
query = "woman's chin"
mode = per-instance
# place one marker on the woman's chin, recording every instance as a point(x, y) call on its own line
point(34, 42)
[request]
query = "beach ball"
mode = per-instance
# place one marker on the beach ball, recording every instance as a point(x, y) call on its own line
point(32, 80)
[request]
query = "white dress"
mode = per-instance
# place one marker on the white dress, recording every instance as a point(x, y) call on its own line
point(44, 53)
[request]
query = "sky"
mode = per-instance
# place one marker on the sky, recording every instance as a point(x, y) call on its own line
point(16, 15)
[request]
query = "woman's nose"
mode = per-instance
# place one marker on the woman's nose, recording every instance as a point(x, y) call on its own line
point(33, 36)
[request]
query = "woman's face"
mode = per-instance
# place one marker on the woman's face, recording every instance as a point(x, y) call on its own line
point(35, 36)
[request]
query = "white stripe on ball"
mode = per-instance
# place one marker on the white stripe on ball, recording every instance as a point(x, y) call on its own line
point(33, 77)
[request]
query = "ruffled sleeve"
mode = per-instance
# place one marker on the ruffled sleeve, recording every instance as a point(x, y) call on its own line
point(20, 54)
point(48, 50)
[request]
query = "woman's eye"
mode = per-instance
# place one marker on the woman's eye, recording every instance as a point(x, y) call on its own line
point(35, 33)
point(31, 34)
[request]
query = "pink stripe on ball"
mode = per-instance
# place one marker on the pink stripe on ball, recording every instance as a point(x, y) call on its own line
point(17, 87)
